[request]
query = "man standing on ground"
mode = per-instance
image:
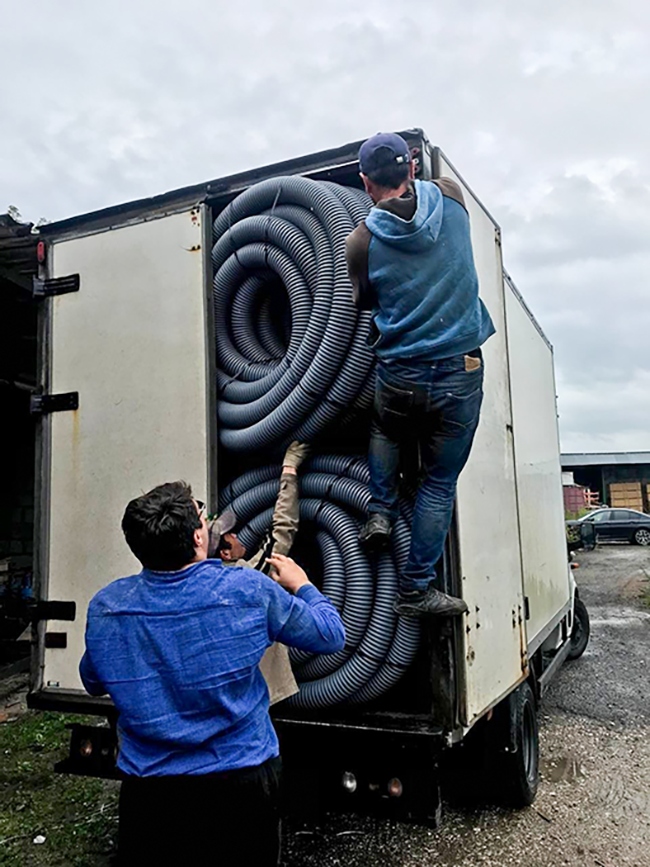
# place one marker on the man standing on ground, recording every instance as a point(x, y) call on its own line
point(275, 664)
point(177, 647)
point(411, 263)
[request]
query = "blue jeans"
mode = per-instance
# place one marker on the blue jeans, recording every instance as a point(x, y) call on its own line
point(437, 406)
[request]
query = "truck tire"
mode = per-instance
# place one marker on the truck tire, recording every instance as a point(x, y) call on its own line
point(497, 762)
point(580, 631)
point(518, 769)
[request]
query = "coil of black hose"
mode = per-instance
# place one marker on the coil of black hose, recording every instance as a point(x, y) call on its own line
point(286, 372)
point(380, 646)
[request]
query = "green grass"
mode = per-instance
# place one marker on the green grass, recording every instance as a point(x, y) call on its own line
point(645, 590)
point(76, 815)
point(573, 516)
point(645, 598)
point(645, 595)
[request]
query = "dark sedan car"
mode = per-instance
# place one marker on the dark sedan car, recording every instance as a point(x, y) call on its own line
point(617, 525)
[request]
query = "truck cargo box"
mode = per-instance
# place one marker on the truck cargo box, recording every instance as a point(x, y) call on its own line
point(127, 371)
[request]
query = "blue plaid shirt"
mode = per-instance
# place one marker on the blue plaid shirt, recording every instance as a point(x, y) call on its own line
point(179, 653)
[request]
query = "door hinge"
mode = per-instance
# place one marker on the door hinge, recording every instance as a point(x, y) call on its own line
point(526, 608)
point(39, 404)
point(55, 286)
point(52, 610)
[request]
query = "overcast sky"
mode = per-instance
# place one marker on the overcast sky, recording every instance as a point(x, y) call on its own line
point(543, 106)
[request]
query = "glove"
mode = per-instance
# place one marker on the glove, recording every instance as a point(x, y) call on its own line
point(295, 454)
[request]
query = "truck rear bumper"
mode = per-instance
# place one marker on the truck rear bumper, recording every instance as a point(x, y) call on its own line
point(387, 765)
point(70, 701)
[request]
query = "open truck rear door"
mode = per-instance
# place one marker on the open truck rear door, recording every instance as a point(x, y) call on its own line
point(131, 345)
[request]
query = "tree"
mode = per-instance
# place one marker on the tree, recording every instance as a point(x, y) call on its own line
point(14, 213)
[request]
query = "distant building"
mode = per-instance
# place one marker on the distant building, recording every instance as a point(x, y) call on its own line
point(620, 478)
point(577, 498)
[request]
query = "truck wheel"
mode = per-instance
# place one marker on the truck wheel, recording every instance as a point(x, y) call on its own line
point(642, 536)
point(580, 631)
point(519, 769)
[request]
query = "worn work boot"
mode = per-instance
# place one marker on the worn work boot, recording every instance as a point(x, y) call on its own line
point(432, 603)
point(375, 533)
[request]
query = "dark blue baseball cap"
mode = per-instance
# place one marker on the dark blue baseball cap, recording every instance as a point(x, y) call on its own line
point(383, 150)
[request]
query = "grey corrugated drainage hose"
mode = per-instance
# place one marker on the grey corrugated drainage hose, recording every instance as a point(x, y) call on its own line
point(285, 239)
point(380, 647)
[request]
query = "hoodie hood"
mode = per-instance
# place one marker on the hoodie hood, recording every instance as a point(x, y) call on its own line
point(417, 234)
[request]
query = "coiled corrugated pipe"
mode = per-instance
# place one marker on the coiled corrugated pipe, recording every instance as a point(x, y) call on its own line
point(291, 346)
point(380, 646)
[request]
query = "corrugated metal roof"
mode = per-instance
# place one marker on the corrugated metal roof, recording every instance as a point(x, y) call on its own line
point(595, 459)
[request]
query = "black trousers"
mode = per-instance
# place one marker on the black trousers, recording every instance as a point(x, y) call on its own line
point(231, 818)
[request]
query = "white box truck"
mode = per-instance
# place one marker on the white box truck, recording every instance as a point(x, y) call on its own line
point(127, 399)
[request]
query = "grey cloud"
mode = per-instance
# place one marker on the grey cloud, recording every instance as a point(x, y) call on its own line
point(128, 99)
point(578, 221)
point(607, 416)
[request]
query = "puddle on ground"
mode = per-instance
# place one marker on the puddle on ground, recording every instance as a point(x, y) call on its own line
point(565, 769)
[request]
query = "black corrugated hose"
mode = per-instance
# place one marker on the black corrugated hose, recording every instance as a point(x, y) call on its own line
point(333, 499)
point(292, 359)
point(281, 245)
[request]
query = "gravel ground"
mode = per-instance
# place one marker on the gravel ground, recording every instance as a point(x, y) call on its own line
point(593, 806)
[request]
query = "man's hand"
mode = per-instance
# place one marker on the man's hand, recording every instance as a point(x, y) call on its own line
point(294, 456)
point(288, 573)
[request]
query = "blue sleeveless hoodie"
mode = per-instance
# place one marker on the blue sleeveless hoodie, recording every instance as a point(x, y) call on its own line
point(423, 276)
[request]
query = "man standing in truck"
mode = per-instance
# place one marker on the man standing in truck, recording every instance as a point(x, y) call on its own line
point(177, 647)
point(275, 664)
point(411, 263)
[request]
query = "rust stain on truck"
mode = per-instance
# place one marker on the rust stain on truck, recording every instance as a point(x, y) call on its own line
point(523, 642)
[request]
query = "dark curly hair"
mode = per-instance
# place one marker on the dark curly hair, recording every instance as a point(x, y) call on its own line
point(159, 527)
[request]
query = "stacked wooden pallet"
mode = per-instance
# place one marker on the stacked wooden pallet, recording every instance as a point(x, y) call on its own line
point(626, 495)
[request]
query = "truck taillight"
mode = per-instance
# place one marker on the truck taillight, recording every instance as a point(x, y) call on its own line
point(349, 782)
point(395, 788)
point(41, 252)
